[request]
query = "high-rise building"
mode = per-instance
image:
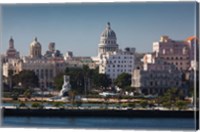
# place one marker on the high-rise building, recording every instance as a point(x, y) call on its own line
point(112, 60)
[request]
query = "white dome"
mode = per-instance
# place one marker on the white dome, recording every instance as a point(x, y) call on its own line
point(35, 43)
point(108, 32)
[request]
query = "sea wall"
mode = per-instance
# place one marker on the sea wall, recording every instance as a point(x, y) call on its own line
point(98, 113)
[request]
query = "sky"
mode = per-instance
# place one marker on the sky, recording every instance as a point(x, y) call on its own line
point(77, 27)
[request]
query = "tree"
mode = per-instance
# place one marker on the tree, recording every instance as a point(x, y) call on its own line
point(181, 104)
point(10, 78)
point(58, 81)
point(102, 80)
point(170, 98)
point(28, 79)
point(123, 80)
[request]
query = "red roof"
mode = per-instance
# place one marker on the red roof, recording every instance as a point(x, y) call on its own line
point(191, 38)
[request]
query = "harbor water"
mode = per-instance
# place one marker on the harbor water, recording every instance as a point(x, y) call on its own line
point(100, 123)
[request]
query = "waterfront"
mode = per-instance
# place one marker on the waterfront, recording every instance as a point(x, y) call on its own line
point(101, 123)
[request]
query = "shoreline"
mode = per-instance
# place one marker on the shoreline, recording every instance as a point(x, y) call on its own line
point(98, 113)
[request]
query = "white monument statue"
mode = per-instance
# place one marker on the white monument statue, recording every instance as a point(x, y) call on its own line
point(65, 87)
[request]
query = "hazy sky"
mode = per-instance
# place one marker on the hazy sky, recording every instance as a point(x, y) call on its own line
point(77, 27)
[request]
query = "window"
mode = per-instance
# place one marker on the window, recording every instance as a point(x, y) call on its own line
point(163, 51)
point(171, 50)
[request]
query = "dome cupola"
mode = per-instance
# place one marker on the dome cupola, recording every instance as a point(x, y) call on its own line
point(35, 43)
point(108, 40)
point(108, 32)
point(35, 49)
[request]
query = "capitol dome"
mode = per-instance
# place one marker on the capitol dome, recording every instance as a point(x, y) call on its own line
point(35, 49)
point(108, 41)
point(35, 43)
point(108, 32)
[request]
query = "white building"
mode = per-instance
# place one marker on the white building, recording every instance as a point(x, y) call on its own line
point(111, 60)
point(113, 64)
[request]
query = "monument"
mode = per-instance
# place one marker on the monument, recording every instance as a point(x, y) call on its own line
point(65, 87)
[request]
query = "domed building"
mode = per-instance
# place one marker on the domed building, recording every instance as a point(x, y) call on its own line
point(108, 41)
point(35, 49)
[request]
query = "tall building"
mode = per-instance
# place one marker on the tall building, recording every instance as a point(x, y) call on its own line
point(113, 61)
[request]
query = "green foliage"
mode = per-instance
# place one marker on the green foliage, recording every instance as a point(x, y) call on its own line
point(123, 80)
point(81, 77)
point(22, 104)
point(58, 104)
point(124, 105)
point(131, 105)
point(28, 93)
point(37, 105)
point(58, 81)
point(27, 78)
point(170, 98)
point(181, 104)
point(144, 103)
point(102, 80)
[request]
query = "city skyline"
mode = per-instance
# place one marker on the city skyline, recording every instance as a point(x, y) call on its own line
point(78, 26)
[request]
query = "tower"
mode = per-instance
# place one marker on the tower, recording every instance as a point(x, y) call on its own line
point(11, 52)
point(108, 41)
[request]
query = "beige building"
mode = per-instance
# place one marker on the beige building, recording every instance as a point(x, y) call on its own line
point(45, 67)
point(156, 78)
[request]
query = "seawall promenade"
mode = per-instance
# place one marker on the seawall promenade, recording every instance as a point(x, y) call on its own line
point(98, 113)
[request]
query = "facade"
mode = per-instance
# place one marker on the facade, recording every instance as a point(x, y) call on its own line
point(156, 78)
point(46, 67)
point(179, 53)
point(112, 60)
point(113, 64)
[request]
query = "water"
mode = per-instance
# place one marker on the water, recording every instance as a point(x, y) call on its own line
point(101, 123)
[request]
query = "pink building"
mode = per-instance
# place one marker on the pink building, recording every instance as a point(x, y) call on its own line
point(179, 53)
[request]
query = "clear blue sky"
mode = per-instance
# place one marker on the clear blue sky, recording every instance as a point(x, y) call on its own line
point(77, 27)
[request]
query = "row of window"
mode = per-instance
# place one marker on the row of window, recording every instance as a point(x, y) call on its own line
point(184, 51)
point(119, 66)
point(118, 70)
point(111, 62)
point(119, 57)
point(176, 58)
point(156, 83)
